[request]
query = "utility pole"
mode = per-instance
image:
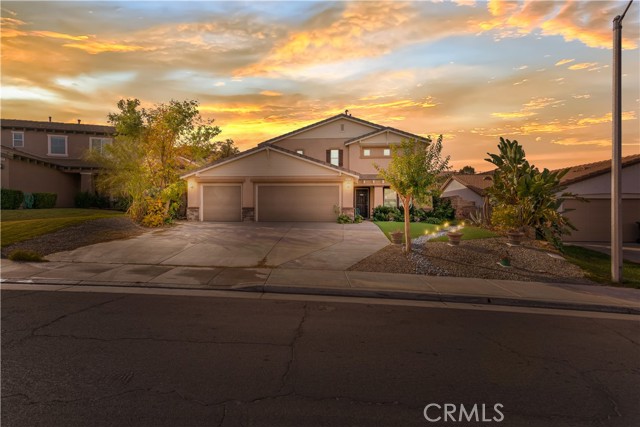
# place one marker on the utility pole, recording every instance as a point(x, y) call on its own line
point(616, 155)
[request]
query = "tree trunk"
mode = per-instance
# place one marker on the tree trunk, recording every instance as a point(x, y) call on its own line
point(407, 225)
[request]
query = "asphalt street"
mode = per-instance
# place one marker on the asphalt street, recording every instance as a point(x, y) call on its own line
point(117, 359)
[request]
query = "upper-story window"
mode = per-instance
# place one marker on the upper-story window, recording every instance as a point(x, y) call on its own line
point(300, 151)
point(334, 157)
point(18, 139)
point(342, 127)
point(57, 145)
point(366, 152)
point(99, 143)
point(386, 152)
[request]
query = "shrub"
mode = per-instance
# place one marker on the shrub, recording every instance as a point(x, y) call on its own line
point(122, 203)
point(344, 219)
point(432, 220)
point(28, 201)
point(154, 216)
point(358, 219)
point(387, 213)
point(11, 199)
point(25, 255)
point(44, 200)
point(86, 199)
point(442, 209)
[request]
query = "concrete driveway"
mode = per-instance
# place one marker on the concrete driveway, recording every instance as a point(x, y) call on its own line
point(320, 246)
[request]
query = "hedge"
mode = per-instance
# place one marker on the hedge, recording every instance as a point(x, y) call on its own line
point(11, 199)
point(44, 200)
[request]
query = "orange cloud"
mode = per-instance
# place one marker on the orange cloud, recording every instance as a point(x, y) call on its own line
point(270, 93)
point(95, 47)
point(583, 65)
point(580, 21)
point(361, 32)
point(564, 61)
point(576, 141)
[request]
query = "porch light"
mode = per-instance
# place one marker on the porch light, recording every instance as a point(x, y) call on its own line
point(348, 183)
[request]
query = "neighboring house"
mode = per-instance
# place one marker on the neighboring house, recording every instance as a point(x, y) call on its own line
point(311, 174)
point(591, 181)
point(49, 157)
point(467, 192)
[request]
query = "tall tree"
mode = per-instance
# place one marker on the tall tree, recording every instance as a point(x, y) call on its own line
point(144, 161)
point(467, 170)
point(414, 172)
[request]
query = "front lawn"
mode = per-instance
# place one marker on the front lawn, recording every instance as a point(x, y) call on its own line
point(421, 228)
point(598, 266)
point(24, 224)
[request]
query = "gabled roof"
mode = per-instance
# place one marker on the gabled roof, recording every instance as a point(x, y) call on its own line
point(383, 130)
point(590, 170)
point(65, 165)
point(259, 148)
point(320, 123)
point(474, 182)
point(56, 127)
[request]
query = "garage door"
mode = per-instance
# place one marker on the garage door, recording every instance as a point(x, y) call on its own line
point(221, 203)
point(297, 202)
point(593, 220)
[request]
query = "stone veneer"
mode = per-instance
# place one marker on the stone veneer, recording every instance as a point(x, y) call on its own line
point(248, 214)
point(193, 214)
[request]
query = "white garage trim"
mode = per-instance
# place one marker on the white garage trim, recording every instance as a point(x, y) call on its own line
point(202, 186)
point(257, 192)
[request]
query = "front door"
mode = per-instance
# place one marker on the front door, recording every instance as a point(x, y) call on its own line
point(362, 202)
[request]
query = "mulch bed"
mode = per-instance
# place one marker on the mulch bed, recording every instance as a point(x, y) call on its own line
point(83, 234)
point(476, 258)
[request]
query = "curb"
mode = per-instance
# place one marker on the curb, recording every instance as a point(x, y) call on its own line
point(351, 292)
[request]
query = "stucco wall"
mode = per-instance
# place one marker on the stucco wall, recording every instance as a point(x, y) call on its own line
point(334, 130)
point(600, 186)
point(33, 178)
point(317, 147)
point(37, 143)
point(268, 163)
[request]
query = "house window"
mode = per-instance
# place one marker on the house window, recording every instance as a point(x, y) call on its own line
point(334, 157)
point(386, 152)
point(57, 145)
point(390, 198)
point(342, 127)
point(300, 152)
point(366, 152)
point(18, 139)
point(99, 143)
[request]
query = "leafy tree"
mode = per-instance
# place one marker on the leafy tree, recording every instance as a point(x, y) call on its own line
point(524, 198)
point(467, 170)
point(414, 172)
point(147, 156)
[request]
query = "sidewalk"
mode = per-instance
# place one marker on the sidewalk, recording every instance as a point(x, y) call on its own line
point(323, 282)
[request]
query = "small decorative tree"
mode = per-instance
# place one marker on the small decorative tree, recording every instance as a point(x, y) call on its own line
point(414, 174)
point(523, 198)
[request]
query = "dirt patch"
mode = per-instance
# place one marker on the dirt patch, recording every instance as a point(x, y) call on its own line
point(83, 234)
point(477, 258)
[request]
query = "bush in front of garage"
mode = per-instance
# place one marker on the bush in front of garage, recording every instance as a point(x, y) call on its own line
point(11, 199)
point(44, 200)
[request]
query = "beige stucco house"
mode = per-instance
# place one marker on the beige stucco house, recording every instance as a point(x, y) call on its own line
point(591, 181)
point(49, 156)
point(311, 174)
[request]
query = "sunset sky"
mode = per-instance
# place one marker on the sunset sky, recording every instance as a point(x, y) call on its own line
point(535, 71)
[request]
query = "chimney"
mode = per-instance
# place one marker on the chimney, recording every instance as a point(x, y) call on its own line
point(49, 119)
point(78, 121)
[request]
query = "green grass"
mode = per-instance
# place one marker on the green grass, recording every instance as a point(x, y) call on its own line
point(598, 266)
point(19, 225)
point(421, 228)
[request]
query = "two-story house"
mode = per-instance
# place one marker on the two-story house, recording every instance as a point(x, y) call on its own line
point(311, 174)
point(49, 157)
